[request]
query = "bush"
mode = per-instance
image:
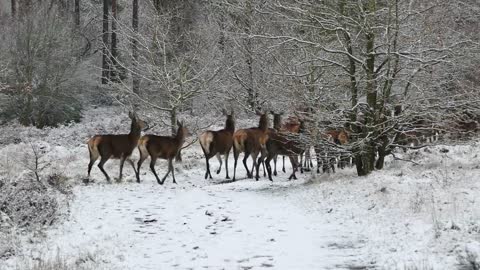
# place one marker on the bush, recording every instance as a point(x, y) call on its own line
point(28, 203)
point(39, 83)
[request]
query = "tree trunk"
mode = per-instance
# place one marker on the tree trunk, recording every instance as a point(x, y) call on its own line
point(368, 152)
point(77, 13)
point(251, 95)
point(14, 7)
point(135, 78)
point(381, 159)
point(114, 53)
point(105, 69)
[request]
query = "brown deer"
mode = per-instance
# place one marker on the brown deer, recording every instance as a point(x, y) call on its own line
point(217, 143)
point(250, 141)
point(115, 146)
point(325, 152)
point(292, 125)
point(164, 147)
point(277, 126)
point(287, 144)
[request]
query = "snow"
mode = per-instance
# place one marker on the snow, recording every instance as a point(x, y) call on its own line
point(407, 216)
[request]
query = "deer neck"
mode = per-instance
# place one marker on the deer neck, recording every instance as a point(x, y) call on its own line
point(277, 122)
point(263, 124)
point(180, 137)
point(230, 125)
point(135, 132)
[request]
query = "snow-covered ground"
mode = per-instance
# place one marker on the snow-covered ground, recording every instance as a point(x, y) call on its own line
point(407, 216)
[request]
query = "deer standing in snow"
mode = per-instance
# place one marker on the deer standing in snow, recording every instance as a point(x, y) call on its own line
point(217, 143)
point(287, 144)
point(326, 153)
point(251, 141)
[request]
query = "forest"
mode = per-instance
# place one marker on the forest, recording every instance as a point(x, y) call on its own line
point(344, 132)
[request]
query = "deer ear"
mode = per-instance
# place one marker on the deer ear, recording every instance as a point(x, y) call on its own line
point(224, 112)
point(131, 115)
point(180, 124)
point(232, 112)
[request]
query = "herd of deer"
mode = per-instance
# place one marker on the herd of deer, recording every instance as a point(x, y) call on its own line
point(259, 142)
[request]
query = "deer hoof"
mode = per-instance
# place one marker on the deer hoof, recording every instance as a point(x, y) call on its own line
point(275, 173)
point(218, 171)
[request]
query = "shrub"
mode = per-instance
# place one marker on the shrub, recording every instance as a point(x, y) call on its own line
point(39, 82)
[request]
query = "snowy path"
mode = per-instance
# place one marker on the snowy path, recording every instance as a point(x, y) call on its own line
point(213, 227)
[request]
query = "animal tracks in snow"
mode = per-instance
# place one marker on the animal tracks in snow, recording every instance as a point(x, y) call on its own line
point(228, 226)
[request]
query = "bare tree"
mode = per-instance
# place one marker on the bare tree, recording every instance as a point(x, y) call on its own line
point(113, 41)
point(135, 77)
point(372, 59)
point(105, 52)
point(77, 13)
point(171, 77)
point(13, 4)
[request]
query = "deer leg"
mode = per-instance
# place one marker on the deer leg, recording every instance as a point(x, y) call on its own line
point(100, 166)
point(90, 165)
point(264, 171)
point(168, 171)
point(235, 157)
point(283, 165)
point(226, 163)
point(308, 160)
point(122, 161)
point(256, 165)
point(332, 164)
point(275, 165)
point(152, 168)
point(170, 164)
point(207, 173)
point(294, 161)
point(133, 165)
point(302, 164)
point(269, 168)
point(206, 163)
point(245, 164)
point(219, 157)
point(139, 165)
point(319, 159)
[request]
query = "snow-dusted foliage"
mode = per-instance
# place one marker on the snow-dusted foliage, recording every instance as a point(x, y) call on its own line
point(385, 92)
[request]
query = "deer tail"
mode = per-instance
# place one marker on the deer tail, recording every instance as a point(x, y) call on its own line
point(142, 146)
point(93, 147)
point(239, 140)
point(206, 139)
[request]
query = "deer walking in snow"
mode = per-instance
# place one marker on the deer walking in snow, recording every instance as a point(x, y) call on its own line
point(115, 146)
point(217, 143)
point(163, 147)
